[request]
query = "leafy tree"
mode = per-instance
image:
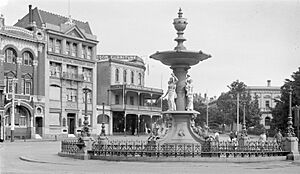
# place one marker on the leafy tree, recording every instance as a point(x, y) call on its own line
point(227, 104)
point(281, 110)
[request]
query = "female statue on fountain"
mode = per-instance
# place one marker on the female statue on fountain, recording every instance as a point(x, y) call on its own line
point(172, 92)
point(189, 93)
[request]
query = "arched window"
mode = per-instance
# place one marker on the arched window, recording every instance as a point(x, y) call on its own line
point(117, 75)
point(10, 55)
point(125, 76)
point(140, 79)
point(132, 77)
point(27, 58)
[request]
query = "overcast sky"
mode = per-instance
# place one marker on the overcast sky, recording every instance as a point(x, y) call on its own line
point(252, 41)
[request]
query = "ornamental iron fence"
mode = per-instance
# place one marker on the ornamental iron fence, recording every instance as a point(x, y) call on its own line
point(153, 149)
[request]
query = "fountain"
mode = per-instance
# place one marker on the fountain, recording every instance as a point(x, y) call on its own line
point(180, 60)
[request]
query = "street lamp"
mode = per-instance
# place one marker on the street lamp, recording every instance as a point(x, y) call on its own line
point(85, 131)
point(12, 117)
point(290, 129)
point(102, 126)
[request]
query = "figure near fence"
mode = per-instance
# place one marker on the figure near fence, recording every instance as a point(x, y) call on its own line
point(172, 92)
point(189, 93)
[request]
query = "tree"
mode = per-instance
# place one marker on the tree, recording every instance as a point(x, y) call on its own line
point(281, 110)
point(227, 104)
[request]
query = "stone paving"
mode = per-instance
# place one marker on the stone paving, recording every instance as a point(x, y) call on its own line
point(35, 157)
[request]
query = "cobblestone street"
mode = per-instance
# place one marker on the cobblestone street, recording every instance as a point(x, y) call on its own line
point(41, 157)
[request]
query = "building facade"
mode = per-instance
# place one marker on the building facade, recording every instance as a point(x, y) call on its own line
point(124, 104)
point(69, 67)
point(266, 96)
point(22, 55)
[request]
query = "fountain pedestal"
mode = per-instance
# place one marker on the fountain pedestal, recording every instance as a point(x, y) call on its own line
point(181, 132)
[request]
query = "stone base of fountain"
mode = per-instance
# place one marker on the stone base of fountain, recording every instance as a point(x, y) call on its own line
point(181, 131)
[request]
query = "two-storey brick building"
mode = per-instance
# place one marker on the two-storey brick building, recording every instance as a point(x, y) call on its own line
point(22, 59)
point(266, 96)
point(69, 66)
point(128, 106)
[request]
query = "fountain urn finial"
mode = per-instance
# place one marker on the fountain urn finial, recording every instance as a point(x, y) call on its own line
point(180, 25)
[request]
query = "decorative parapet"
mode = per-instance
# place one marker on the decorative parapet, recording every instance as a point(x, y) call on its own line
point(14, 29)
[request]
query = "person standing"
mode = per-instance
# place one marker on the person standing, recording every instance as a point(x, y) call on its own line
point(172, 92)
point(278, 137)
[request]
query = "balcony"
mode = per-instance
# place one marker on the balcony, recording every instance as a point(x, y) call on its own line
point(72, 76)
point(135, 107)
point(136, 88)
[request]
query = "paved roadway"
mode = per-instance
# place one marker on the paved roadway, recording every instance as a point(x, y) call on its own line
point(43, 159)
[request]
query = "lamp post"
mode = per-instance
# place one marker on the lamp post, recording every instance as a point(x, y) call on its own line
point(290, 129)
point(85, 130)
point(12, 117)
point(237, 111)
point(102, 126)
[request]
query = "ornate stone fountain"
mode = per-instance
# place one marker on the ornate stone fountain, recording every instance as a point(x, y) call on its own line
point(180, 60)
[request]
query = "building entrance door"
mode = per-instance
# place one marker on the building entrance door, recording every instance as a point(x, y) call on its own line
point(39, 125)
point(71, 123)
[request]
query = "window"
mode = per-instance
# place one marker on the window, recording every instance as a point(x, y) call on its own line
point(72, 95)
point(267, 104)
point(27, 87)
point(84, 52)
point(74, 49)
point(55, 69)
point(54, 92)
point(50, 45)
point(125, 76)
point(22, 120)
point(68, 49)
point(10, 55)
point(88, 96)
point(131, 98)
point(27, 58)
point(140, 79)
point(9, 85)
point(132, 77)
point(117, 75)
point(89, 53)
point(117, 99)
point(58, 46)
point(87, 74)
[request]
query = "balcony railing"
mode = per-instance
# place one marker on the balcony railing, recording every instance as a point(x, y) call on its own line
point(135, 107)
point(136, 88)
point(72, 76)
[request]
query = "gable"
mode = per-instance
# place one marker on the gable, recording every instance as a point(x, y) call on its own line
point(75, 32)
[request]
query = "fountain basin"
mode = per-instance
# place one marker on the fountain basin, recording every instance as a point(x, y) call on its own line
point(183, 57)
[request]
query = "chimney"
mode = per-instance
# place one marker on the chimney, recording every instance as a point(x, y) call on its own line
point(268, 83)
point(30, 14)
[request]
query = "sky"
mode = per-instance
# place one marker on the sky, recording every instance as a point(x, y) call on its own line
point(249, 41)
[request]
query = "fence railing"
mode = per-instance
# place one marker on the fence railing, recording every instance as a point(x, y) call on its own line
point(69, 146)
point(153, 149)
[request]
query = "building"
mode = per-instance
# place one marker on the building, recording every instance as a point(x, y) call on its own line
point(69, 67)
point(125, 105)
point(266, 96)
point(22, 59)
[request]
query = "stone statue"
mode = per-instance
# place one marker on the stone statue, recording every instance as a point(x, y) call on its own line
point(189, 93)
point(172, 92)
